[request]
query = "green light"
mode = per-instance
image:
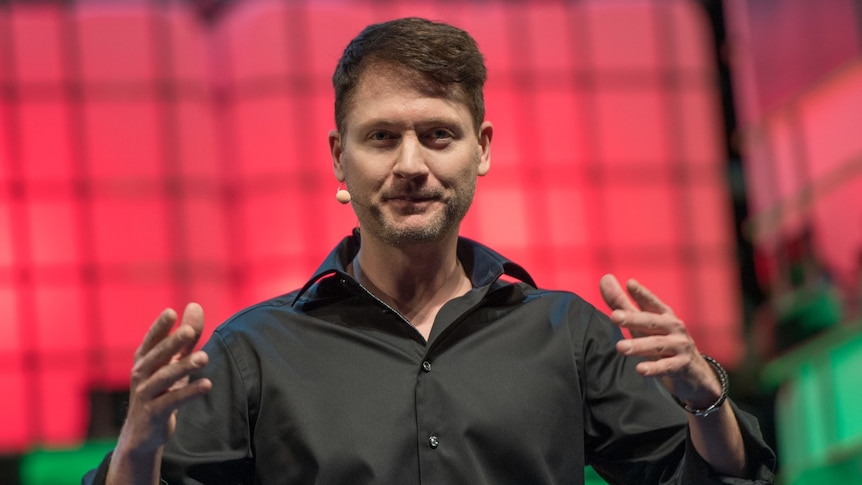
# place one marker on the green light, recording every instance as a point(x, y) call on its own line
point(62, 466)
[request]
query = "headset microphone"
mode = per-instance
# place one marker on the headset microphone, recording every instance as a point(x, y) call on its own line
point(342, 195)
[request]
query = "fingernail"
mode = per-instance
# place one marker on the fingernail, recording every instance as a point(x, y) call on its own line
point(619, 316)
point(626, 347)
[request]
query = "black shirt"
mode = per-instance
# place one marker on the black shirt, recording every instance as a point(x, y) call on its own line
point(515, 384)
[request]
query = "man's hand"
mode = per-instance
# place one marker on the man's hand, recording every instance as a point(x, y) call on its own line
point(159, 386)
point(661, 337)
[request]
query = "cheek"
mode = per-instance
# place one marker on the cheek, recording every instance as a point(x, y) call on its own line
point(470, 170)
point(360, 161)
point(359, 180)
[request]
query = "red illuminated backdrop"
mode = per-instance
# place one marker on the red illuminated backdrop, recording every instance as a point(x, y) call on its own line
point(147, 160)
point(798, 82)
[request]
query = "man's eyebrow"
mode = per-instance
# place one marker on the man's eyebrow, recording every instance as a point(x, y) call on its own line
point(380, 122)
point(389, 123)
point(439, 121)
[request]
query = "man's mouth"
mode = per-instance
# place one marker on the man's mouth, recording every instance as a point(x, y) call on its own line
point(411, 198)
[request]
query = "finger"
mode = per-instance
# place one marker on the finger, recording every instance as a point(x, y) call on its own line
point(646, 299)
point(652, 347)
point(193, 317)
point(160, 346)
point(614, 295)
point(168, 376)
point(665, 367)
point(174, 345)
point(160, 328)
point(169, 402)
point(644, 323)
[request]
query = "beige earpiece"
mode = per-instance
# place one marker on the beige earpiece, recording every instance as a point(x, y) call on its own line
point(342, 195)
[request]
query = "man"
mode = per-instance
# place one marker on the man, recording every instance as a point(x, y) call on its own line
point(406, 359)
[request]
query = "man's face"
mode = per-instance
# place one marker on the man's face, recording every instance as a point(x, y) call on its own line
point(410, 159)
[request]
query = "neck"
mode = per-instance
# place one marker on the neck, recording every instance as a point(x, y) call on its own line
point(415, 280)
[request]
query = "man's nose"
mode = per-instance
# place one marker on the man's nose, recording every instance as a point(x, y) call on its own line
point(411, 160)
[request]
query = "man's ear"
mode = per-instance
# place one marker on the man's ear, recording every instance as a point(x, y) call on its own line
point(486, 132)
point(335, 149)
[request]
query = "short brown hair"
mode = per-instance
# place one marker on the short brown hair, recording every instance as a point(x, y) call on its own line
point(443, 56)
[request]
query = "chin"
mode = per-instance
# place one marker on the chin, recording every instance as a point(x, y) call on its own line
point(414, 234)
point(430, 227)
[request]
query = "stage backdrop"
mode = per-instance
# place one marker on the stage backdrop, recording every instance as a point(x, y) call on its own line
point(149, 158)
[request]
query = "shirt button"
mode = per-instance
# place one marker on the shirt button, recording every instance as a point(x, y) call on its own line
point(426, 366)
point(433, 442)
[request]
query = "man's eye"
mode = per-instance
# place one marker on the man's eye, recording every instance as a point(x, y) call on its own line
point(379, 136)
point(440, 134)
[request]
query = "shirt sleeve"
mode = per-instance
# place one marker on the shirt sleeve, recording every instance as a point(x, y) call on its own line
point(99, 475)
point(635, 433)
point(761, 458)
point(212, 441)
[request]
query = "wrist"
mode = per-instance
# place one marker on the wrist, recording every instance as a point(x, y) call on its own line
point(133, 466)
point(706, 410)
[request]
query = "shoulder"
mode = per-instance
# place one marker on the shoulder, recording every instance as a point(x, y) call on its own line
point(555, 298)
point(275, 310)
point(557, 307)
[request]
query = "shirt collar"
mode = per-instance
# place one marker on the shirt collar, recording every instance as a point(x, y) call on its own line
point(483, 264)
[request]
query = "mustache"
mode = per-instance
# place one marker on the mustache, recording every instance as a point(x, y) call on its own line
point(412, 194)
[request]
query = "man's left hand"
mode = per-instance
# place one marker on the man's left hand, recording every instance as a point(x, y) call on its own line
point(662, 339)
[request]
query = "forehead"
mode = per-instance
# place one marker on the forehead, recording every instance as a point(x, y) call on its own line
point(386, 91)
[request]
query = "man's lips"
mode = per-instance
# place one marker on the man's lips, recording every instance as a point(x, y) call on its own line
point(410, 203)
point(411, 198)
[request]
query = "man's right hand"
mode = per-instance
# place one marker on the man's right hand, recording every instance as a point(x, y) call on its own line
point(159, 386)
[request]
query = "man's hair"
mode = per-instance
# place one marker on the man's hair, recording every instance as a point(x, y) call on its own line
point(439, 59)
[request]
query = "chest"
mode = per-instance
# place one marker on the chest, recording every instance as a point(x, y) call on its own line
point(495, 394)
